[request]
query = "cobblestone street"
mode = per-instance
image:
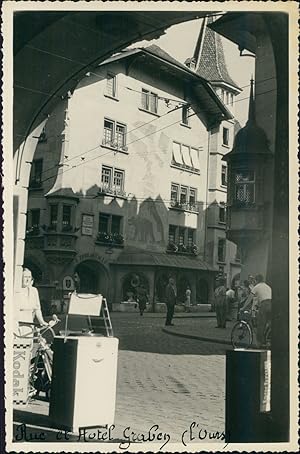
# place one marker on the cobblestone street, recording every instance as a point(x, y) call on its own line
point(167, 380)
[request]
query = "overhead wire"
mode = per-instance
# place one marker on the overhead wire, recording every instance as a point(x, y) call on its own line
point(136, 140)
point(183, 103)
point(87, 65)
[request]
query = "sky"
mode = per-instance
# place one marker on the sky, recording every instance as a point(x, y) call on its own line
point(180, 40)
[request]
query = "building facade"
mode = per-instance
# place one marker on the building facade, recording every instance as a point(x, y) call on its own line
point(209, 62)
point(119, 187)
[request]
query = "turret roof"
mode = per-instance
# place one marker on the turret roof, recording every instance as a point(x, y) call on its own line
point(210, 58)
point(251, 139)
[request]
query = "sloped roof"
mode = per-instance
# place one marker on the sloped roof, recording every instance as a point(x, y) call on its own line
point(156, 50)
point(211, 103)
point(209, 54)
point(132, 256)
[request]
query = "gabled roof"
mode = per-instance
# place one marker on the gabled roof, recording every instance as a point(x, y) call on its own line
point(210, 58)
point(201, 88)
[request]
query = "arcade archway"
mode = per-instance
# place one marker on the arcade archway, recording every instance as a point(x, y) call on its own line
point(93, 277)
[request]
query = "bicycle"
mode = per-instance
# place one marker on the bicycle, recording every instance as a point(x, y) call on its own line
point(242, 333)
point(40, 372)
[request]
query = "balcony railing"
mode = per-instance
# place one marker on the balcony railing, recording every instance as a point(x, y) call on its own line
point(174, 248)
point(184, 206)
point(115, 145)
point(59, 241)
point(110, 239)
point(106, 189)
point(50, 240)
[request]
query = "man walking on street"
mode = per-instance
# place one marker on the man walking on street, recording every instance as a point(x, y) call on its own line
point(171, 295)
point(220, 303)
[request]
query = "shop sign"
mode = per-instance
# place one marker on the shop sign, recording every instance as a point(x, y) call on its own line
point(87, 224)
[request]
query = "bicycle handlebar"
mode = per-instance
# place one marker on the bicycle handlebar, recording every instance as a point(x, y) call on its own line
point(38, 327)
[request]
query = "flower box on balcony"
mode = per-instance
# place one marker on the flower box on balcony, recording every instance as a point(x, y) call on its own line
point(34, 231)
point(110, 239)
point(182, 249)
point(183, 206)
point(111, 191)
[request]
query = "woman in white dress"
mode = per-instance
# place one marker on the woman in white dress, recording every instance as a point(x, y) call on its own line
point(188, 299)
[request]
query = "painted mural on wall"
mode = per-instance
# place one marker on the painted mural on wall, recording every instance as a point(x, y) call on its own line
point(146, 227)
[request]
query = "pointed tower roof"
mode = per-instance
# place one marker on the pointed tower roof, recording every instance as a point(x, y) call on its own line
point(251, 139)
point(209, 56)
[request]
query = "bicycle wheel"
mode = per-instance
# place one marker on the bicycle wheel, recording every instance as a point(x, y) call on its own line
point(241, 335)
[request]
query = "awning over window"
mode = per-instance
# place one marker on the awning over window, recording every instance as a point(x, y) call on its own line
point(186, 155)
point(195, 158)
point(177, 153)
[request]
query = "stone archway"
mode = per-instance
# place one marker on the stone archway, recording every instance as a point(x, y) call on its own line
point(93, 277)
point(161, 281)
point(130, 282)
point(182, 283)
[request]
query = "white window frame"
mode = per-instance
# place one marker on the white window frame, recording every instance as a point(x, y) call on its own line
point(148, 105)
point(107, 175)
point(122, 173)
point(175, 187)
point(113, 77)
point(111, 186)
point(185, 191)
point(225, 135)
point(177, 201)
point(113, 143)
point(222, 206)
point(226, 176)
